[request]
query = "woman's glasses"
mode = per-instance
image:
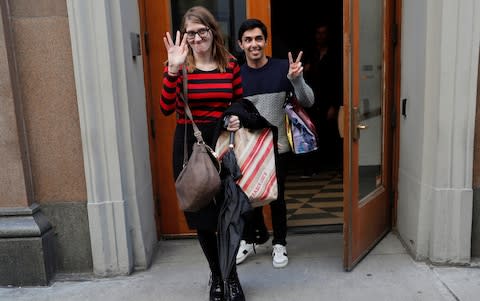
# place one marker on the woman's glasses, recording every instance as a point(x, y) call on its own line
point(202, 33)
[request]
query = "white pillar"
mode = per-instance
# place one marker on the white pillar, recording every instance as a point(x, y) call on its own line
point(458, 34)
point(112, 108)
point(440, 47)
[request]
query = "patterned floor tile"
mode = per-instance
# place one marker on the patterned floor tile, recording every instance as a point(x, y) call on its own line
point(313, 201)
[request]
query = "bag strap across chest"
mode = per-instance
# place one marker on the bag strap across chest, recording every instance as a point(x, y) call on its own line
point(196, 132)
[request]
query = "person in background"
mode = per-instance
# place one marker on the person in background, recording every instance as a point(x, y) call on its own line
point(323, 72)
point(266, 82)
point(214, 81)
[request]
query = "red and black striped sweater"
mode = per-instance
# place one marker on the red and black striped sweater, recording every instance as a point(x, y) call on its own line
point(210, 93)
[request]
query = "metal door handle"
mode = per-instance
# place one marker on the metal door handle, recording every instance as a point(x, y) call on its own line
point(357, 126)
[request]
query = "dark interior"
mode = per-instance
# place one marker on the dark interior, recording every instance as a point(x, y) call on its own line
point(314, 200)
point(293, 24)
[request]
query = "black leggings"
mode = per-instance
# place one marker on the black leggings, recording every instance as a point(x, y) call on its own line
point(208, 242)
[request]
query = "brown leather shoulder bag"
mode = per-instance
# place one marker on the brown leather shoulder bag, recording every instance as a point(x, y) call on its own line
point(199, 181)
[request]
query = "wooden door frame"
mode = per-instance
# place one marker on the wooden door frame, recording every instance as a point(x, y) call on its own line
point(347, 127)
point(148, 95)
point(397, 36)
point(160, 127)
point(261, 9)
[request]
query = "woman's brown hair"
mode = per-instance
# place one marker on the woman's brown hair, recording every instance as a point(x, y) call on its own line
point(200, 15)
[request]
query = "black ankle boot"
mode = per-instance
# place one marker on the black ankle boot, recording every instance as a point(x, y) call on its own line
point(234, 289)
point(216, 288)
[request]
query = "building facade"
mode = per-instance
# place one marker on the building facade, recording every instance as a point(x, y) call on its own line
point(76, 192)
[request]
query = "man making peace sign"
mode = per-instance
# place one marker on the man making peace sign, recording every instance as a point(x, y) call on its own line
point(266, 82)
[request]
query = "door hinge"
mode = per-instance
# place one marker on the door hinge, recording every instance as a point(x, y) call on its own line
point(146, 43)
point(152, 128)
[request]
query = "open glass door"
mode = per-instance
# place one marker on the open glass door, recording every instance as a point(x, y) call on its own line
point(368, 59)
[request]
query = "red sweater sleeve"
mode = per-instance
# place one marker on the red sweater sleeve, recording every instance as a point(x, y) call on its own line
point(237, 83)
point(170, 92)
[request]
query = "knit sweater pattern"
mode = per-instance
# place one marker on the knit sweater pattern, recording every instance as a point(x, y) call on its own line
point(266, 87)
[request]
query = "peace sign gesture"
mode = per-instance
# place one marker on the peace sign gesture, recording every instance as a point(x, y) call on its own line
point(177, 51)
point(296, 67)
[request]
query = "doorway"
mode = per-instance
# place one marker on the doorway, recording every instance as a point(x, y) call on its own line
point(314, 186)
point(365, 38)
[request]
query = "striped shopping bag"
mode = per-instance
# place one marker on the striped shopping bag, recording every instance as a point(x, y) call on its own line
point(255, 153)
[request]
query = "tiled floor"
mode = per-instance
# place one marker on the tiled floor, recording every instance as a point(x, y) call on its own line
point(314, 201)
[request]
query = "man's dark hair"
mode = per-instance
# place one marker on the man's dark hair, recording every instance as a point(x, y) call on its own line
point(250, 24)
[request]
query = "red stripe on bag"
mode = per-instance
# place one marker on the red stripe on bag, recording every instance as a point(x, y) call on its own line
point(251, 159)
point(260, 162)
point(270, 185)
point(256, 149)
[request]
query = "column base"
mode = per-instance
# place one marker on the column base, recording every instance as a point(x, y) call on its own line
point(26, 247)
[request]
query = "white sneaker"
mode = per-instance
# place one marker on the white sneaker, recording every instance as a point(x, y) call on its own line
point(244, 251)
point(279, 254)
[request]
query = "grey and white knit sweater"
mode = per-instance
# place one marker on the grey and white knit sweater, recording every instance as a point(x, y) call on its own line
point(267, 87)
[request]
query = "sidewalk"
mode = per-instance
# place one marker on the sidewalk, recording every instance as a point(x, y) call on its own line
point(180, 273)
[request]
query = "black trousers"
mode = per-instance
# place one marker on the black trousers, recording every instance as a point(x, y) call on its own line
point(204, 220)
point(255, 222)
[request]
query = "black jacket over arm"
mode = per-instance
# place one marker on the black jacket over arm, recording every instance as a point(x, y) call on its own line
point(249, 117)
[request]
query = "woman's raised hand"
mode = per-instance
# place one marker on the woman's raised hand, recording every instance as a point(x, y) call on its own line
point(177, 51)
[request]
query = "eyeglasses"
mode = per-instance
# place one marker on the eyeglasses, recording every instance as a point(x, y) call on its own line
point(202, 33)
